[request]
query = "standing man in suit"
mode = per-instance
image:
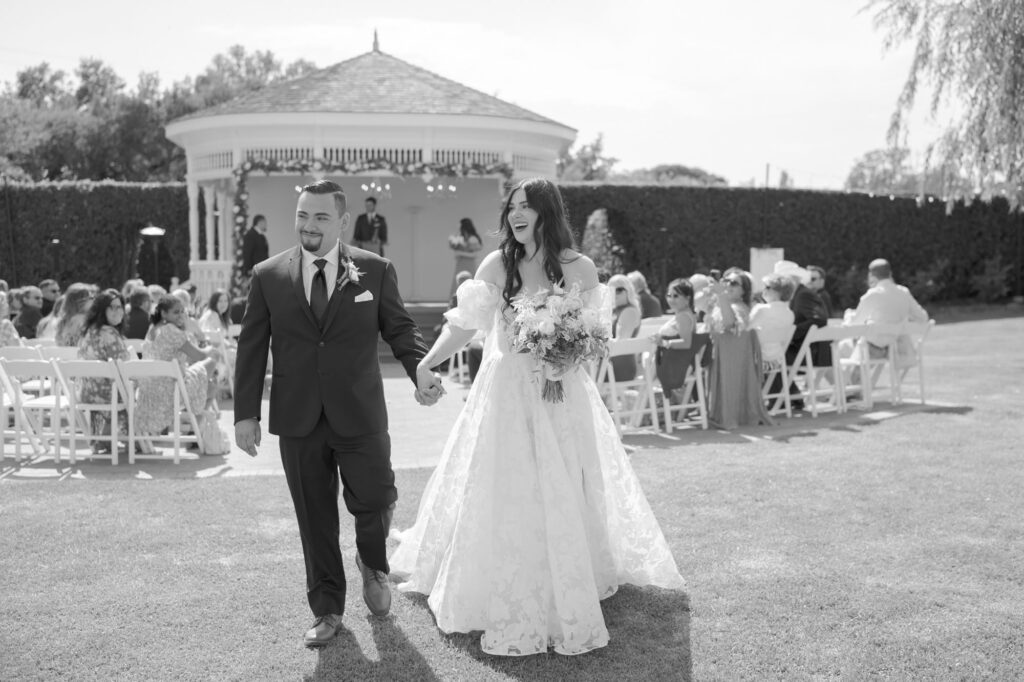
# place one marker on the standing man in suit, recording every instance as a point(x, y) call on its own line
point(371, 231)
point(319, 307)
point(255, 248)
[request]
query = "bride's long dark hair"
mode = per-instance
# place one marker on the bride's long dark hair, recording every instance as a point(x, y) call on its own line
point(552, 234)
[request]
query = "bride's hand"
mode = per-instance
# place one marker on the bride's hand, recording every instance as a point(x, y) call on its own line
point(428, 386)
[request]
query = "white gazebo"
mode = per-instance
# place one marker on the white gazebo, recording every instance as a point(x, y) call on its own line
point(429, 149)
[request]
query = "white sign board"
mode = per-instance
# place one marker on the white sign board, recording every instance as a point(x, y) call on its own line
point(762, 262)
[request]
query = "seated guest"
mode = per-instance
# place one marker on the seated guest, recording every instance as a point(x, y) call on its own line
point(27, 321)
point(774, 316)
point(102, 340)
point(140, 308)
point(169, 341)
point(215, 324)
point(884, 303)
point(47, 328)
point(8, 332)
point(51, 292)
point(196, 335)
point(650, 306)
point(674, 340)
point(71, 321)
point(701, 295)
point(625, 323)
point(735, 377)
point(816, 283)
point(130, 285)
point(14, 303)
point(808, 311)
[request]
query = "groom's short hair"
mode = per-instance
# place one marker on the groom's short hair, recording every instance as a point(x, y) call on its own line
point(329, 187)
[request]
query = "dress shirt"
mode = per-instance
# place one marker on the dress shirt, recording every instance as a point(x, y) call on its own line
point(330, 270)
point(887, 303)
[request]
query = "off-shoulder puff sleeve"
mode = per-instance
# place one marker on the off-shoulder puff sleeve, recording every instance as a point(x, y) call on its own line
point(477, 302)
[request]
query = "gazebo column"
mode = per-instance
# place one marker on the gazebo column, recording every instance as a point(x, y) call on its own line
point(209, 197)
point(224, 215)
point(193, 220)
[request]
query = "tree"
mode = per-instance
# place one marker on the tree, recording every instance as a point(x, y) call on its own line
point(672, 174)
point(41, 85)
point(585, 163)
point(889, 171)
point(972, 54)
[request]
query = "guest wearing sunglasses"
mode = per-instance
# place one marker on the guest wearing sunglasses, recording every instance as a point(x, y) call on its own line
point(625, 323)
point(735, 378)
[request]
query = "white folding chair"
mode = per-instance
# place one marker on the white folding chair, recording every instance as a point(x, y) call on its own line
point(59, 352)
point(692, 397)
point(650, 325)
point(813, 376)
point(628, 400)
point(20, 353)
point(31, 412)
point(13, 415)
point(915, 333)
point(72, 373)
point(458, 366)
point(774, 343)
point(135, 346)
point(135, 371)
point(864, 372)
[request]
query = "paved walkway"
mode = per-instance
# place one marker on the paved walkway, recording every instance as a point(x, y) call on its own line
point(418, 435)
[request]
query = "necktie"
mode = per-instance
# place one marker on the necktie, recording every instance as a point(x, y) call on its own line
point(318, 292)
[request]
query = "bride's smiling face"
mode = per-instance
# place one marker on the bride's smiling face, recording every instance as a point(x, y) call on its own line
point(521, 218)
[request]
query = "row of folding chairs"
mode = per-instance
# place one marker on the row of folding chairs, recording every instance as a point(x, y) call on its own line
point(633, 403)
point(40, 400)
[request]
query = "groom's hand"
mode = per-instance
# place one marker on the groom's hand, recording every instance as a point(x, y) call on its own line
point(247, 435)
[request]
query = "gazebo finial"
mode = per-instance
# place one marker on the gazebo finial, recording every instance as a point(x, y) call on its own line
point(376, 43)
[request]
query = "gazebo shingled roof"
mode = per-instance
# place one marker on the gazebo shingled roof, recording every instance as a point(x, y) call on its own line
point(374, 82)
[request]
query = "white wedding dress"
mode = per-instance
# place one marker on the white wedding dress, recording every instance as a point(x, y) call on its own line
point(533, 514)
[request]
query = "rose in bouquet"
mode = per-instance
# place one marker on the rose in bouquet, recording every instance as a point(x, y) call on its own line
point(560, 331)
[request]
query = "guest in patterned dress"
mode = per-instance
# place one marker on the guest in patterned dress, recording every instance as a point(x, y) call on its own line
point(625, 323)
point(168, 341)
point(102, 340)
point(71, 322)
point(8, 333)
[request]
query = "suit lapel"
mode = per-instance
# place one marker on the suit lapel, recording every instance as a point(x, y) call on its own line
point(295, 272)
point(336, 295)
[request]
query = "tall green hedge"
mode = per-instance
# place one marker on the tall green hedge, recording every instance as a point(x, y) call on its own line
point(666, 232)
point(97, 225)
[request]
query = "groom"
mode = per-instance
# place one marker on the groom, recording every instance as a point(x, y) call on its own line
point(319, 307)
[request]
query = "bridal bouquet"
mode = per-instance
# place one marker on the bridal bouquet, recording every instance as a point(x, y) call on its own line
point(558, 329)
point(457, 242)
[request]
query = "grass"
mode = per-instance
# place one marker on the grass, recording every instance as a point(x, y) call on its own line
point(873, 545)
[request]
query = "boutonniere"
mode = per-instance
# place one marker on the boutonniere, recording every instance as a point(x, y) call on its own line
point(348, 272)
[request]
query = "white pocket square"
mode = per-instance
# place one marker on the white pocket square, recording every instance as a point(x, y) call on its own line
point(364, 297)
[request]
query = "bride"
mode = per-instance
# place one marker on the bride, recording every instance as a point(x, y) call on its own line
point(533, 514)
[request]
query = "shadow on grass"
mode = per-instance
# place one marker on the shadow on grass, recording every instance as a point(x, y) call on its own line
point(802, 425)
point(343, 659)
point(648, 628)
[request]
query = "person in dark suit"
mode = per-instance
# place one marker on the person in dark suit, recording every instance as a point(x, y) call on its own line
point(808, 311)
point(817, 285)
point(255, 248)
point(326, 304)
point(371, 231)
point(140, 304)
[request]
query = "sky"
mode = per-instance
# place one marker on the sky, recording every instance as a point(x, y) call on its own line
point(730, 86)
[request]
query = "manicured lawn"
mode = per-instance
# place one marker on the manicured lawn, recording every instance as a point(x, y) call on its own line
point(882, 545)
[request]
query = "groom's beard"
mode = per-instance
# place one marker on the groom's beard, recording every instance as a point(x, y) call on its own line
point(311, 242)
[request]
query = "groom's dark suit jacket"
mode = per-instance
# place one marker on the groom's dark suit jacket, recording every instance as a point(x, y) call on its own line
point(334, 371)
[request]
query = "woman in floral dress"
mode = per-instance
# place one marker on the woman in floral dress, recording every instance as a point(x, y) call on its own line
point(167, 340)
point(103, 341)
point(71, 322)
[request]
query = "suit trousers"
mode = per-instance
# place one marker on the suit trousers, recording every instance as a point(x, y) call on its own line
point(313, 466)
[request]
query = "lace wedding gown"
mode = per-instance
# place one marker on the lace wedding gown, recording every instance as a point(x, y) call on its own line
point(533, 514)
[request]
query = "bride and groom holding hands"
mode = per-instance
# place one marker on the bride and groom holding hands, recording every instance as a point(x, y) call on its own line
point(533, 514)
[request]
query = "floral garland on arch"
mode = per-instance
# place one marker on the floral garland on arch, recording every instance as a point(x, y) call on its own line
point(309, 166)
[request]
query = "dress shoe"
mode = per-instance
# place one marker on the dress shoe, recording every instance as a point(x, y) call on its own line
point(376, 592)
point(323, 631)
